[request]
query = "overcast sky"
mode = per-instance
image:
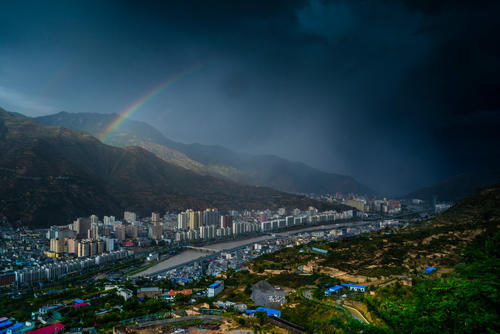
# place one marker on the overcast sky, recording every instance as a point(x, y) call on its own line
point(398, 94)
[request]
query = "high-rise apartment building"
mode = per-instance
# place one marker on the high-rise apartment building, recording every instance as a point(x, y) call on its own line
point(210, 217)
point(93, 232)
point(93, 247)
point(81, 226)
point(132, 231)
point(108, 220)
point(110, 244)
point(156, 231)
point(129, 216)
point(195, 218)
point(83, 248)
point(183, 221)
point(155, 217)
point(120, 232)
point(72, 246)
point(94, 219)
point(226, 221)
point(57, 245)
point(101, 246)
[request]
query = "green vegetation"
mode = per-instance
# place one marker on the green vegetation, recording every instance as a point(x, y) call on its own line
point(322, 318)
point(466, 301)
point(461, 297)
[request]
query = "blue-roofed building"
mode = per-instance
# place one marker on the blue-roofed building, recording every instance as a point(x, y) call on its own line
point(429, 270)
point(333, 289)
point(78, 300)
point(13, 329)
point(268, 311)
point(5, 324)
point(215, 288)
point(355, 287)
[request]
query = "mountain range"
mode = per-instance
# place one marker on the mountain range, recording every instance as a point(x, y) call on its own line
point(262, 170)
point(51, 175)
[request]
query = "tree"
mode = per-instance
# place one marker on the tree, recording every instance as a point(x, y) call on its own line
point(182, 298)
point(261, 316)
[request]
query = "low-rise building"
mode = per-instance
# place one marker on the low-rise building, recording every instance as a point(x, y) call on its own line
point(215, 288)
point(355, 287)
point(148, 292)
point(125, 293)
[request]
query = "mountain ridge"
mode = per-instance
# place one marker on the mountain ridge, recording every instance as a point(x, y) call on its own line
point(264, 170)
point(51, 175)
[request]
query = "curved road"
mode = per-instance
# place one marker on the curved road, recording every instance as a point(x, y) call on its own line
point(355, 313)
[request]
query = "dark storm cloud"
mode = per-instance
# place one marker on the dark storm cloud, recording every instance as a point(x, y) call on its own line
point(396, 93)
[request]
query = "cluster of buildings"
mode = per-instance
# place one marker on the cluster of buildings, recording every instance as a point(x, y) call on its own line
point(57, 270)
point(362, 203)
point(209, 224)
point(383, 206)
point(216, 264)
point(88, 236)
point(28, 257)
point(10, 326)
point(92, 236)
point(20, 247)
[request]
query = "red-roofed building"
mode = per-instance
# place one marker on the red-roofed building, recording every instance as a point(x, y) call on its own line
point(48, 329)
point(80, 305)
point(186, 292)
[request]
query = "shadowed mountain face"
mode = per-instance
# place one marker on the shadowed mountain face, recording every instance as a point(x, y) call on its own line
point(50, 175)
point(263, 170)
point(457, 187)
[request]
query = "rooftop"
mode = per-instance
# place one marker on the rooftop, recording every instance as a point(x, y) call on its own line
point(354, 285)
point(268, 311)
point(429, 270)
point(151, 289)
point(13, 327)
point(48, 329)
point(80, 305)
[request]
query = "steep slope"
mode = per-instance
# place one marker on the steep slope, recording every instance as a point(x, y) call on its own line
point(457, 187)
point(264, 170)
point(50, 175)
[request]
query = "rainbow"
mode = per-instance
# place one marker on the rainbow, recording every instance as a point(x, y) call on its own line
point(120, 118)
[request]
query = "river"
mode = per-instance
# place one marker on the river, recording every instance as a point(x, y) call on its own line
point(190, 255)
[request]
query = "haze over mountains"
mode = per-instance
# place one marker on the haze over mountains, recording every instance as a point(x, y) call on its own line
point(50, 175)
point(264, 170)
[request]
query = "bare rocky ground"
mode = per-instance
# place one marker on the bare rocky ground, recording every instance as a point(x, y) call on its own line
point(264, 294)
